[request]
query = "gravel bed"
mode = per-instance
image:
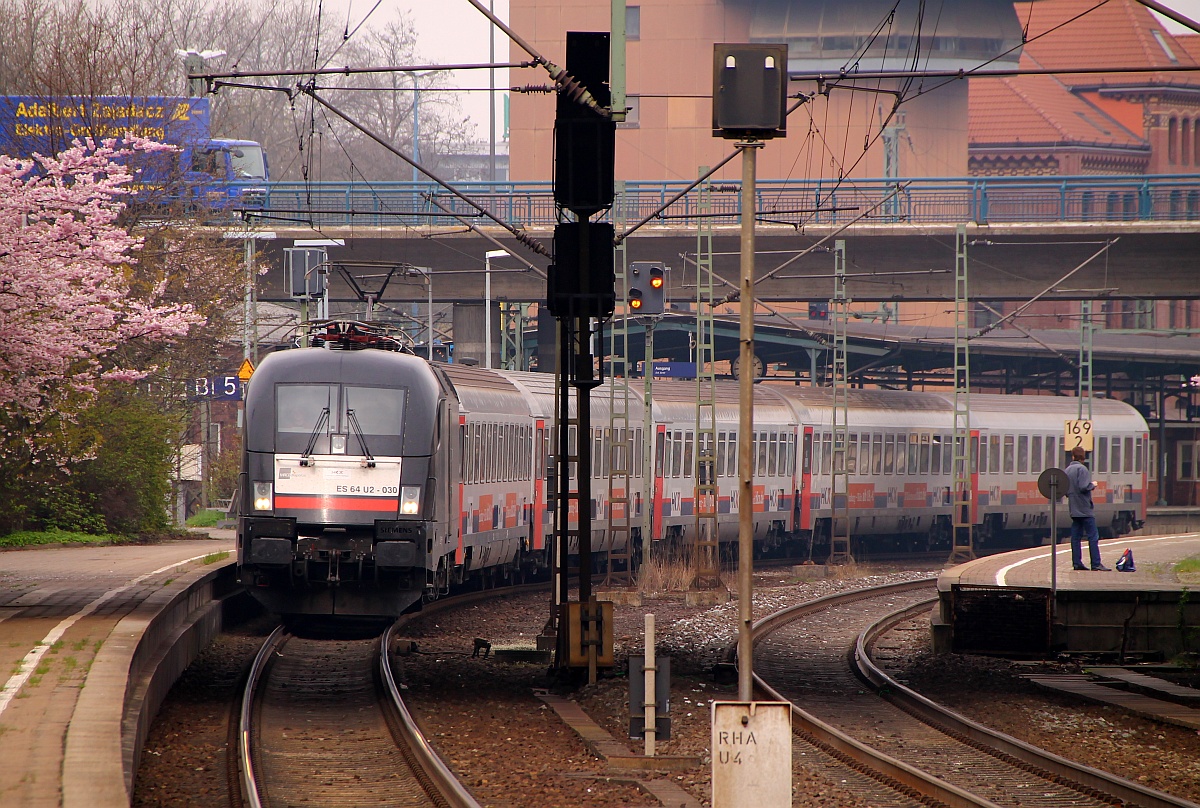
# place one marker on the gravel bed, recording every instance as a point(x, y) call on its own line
point(483, 717)
point(994, 693)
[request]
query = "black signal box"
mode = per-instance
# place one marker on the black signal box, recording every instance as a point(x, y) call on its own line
point(584, 139)
point(749, 91)
point(581, 282)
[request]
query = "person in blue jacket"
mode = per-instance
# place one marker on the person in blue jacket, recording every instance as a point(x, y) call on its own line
point(1083, 516)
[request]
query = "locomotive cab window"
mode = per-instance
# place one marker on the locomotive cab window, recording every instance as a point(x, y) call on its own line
point(370, 418)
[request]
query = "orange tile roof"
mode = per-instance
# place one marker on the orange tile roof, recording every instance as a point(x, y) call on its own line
point(1038, 110)
point(1118, 33)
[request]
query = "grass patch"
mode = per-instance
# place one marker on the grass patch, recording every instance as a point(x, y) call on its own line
point(206, 518)
point(1188, 566)
point(213, 558)
point(665, 575)
point(33, 538)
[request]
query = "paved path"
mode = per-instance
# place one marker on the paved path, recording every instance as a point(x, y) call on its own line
point(58, 607)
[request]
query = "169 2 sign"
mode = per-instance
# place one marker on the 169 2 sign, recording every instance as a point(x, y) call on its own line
point(217, 388)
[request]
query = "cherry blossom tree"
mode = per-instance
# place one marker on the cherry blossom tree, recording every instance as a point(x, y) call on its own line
point(66, 265)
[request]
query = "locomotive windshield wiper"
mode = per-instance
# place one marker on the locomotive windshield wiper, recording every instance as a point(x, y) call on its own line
point(369, 462)
point(322, 419)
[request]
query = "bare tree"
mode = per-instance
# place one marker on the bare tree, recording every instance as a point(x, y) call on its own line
point(89, 48)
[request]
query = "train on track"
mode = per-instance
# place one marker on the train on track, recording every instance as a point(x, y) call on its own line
point(372, 478)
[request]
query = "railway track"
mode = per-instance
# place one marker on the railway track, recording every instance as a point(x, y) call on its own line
point(891, 747)
point(322, 723)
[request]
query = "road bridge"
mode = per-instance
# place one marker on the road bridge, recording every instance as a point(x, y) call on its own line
point(1134, 237)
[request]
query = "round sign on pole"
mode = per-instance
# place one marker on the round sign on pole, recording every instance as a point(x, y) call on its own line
point(1053, 483)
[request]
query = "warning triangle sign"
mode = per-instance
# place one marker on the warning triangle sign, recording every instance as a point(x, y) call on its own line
point(246, 370)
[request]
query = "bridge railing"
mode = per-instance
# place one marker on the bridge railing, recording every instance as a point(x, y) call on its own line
point(985, 200)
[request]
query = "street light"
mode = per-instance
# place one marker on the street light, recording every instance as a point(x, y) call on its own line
point(427, 273)
point(487, 308)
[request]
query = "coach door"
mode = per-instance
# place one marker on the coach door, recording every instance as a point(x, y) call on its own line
point(804, 508)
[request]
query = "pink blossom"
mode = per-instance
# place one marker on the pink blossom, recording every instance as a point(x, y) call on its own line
point(65, 304)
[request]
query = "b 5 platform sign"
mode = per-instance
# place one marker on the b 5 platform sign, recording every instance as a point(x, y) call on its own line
point(217, 388)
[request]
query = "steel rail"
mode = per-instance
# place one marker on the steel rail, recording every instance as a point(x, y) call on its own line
point(422, 756)
point(250, 795)
point(979, 736)
point(882, 767)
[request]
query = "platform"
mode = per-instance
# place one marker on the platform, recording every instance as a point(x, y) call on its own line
point(1013, 604)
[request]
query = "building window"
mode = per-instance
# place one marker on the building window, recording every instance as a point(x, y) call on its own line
point(633, 22)
point(1187, 461)
point(1173, 141)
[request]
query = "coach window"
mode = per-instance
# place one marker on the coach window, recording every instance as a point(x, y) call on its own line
point(889, 454)
point(731, 459)
point(902, 453)
point(852, 453)
point(572, 451)
point(476, 452)
point(477, 461)
point(1009, 454)
point(660, 448)
point(876, 453)
point(677, 454)
point(826, 453)
point(947, 454)
point(527, 455)
point(1115, 466)
point(925, 454)
point(913, 455)
point(1100, 457)
point(1128, 460)
point(688, 453)
point(493, 453)
point(806, 454)
point(1138, 455)
point(638, 456)
point(1022, 454)
point(935, 452)
point(1035, 455)
point(773, 454)
point(1052, 451)
point(994, 454)
point(983, 454)
point(790, 462)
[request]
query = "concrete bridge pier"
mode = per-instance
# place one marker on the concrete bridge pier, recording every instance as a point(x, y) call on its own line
point(469, 336)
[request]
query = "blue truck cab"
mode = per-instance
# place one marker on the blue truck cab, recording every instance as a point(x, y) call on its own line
point(226, 174)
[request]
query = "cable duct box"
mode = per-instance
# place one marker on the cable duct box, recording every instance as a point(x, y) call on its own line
point(749, 91)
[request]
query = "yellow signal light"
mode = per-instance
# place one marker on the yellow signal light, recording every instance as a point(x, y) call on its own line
point(656, 281)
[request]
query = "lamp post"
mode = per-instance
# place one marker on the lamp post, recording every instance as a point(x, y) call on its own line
point(487, 305)
point(427, 273)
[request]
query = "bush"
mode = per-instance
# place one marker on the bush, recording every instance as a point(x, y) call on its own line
point(129, 479)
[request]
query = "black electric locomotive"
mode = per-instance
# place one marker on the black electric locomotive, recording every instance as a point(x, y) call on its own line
point(338, 513)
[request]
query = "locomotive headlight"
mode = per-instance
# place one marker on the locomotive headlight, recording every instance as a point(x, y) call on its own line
point(337, 444)
point(263, 496)
point(410, 499)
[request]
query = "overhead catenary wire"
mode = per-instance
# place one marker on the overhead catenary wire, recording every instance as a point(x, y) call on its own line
point(521, 236)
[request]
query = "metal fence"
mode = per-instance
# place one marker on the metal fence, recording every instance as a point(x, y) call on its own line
point(985, 200)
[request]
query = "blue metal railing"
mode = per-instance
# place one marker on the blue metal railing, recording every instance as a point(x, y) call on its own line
point(952, 200)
